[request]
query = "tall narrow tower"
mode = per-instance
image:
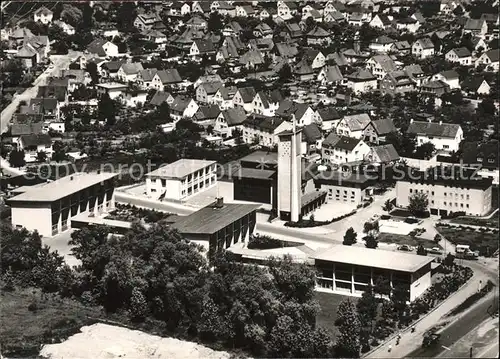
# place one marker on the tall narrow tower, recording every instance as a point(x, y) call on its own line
point(289, 174)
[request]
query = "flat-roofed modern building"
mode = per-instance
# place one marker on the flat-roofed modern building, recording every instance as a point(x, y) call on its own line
point(350, 270)
point(344, 187)
point(181, 179)
point(219, 225)
point(49, 207)
point(448, 192)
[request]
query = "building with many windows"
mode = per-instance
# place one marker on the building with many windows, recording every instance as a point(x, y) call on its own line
point(49, 207)
point(181, 179)
point(353, 188)
point(447, 191)
point(350, 270)
point(219, 225)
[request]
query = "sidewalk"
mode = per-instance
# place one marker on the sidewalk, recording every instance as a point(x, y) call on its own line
point(412, 341)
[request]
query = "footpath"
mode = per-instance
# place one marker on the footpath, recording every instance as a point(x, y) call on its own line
point(413, 341)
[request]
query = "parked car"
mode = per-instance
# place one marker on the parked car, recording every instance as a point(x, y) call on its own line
point(405, 248)
point(434, 250)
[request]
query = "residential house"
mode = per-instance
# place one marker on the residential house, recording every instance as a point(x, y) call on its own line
point(146, 21)
point(102, 48)
point(301, 113)
point(34, 143)
point(408, 24)
point(383, 154)
point(128, 71)
point(353, 125)
point(382, 44)
point(109, 31)
point(225, 8)
point(267, 13)
point(415, 73)
point(183, 107)
point(449, 77)
point(65, 27)
point(113, 89)
point(377, 130)
point(230, 50)
point(267, 104)
point(341, 149)
point(436, 88)
point(228, 120)
point(156, 37)
point(202, 7)
point(244, 98)
point(21, 129)
point(460, 55)
point(334, 6)
point(202, 47)
point(286, 9)
point(206, 92)
point(381, 65)
point(303, 70)
point(423, 48)
point(245, 11)
point(161, 97)
point(312, 139)
point(263, 130)
point(197, 22)
point(163, 78)
point(43, 15)
point(356, 19)
point(334, 18)
point(318, 36)
point(232, 28)
point(293, 31)
point(206, 115)
point(327, 117)
point(110, 69)
point(361, 81)
point(476, 27)
point(479, 45)
point(287, 51)
point(490, 60)
point(28, 56)
point(315, 58)
point(251, 59)
point(381, 21)
point(330, 75)
point(34, 49)
point(474, 86)
point(263, 30)
point(396, 82)
point(401, 48)
point(444, 136)
point(145, 78)
point(224, 97)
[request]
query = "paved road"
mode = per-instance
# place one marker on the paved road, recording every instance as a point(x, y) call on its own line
point(460, 328)
point(59, 62)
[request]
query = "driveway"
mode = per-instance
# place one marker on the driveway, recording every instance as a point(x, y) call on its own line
point(59, 62)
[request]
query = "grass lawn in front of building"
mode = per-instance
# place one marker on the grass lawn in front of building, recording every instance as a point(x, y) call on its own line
point(400, 239)
point(472, 221)
point(484, 242)
point(329, 304)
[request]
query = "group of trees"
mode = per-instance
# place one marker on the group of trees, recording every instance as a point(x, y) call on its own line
point(155, 273)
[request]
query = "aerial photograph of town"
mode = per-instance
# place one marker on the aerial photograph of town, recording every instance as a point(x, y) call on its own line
point(249, 179)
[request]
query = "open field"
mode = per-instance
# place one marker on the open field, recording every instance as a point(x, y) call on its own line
point(408, 240)
point(23, 330)
point(484, 242)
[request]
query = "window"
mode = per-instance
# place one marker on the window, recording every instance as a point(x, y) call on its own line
point(467, 197)
point(444, 203)
point(461, 205)
point(479, 159)
point(411, 191)
point(445, 194)
point(432, 193)
point(467, 206)
point(491, 160)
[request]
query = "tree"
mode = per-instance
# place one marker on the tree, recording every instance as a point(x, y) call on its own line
point(16, 158)
point(138, 306)
point(93, 72)
point(238, 136)
point(367, 311)
point(421, 251)
point(437, 238)
point(59, 152)
point(349, 329)
point(418, 203)
point(371, 228)
point(371, 242)
point(449, 260)
point(106, 109)
point(41, 156)
point(285, 73)
point(350, 237)
point(425, 150)
point(388, 206)
point(382, 286)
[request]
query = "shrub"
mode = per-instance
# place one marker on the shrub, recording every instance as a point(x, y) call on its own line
point(267, 242)
point(33, 307)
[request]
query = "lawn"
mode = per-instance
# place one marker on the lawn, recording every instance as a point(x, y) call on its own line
point(400, 239)
point(472, 221)
point(24, 330)
point(327, 315)
point(484, 242)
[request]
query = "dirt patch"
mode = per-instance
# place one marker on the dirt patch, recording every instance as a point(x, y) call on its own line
point(106, 341)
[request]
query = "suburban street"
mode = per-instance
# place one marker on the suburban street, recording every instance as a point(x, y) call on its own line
point(58, 62)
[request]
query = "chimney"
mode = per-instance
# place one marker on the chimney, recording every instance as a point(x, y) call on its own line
point(219, 202)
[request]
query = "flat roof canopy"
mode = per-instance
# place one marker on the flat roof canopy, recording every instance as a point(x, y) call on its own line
point(375, 258)
point(211, 219)
point(180, 169)
point(63, 187)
